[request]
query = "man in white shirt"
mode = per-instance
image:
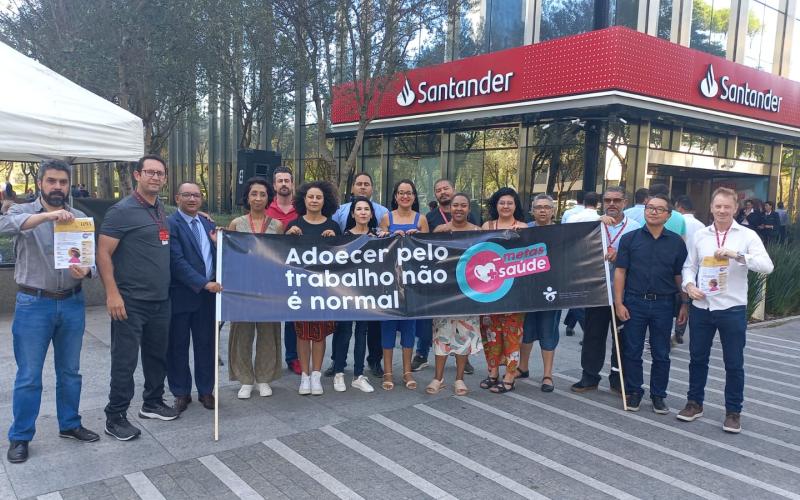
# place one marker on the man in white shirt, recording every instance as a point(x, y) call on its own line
point(715, 277)
point(686, 208)
point(574, 210)
point(636, 212)
point(589, 212)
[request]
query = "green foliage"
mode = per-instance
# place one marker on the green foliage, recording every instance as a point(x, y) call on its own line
point(755, 289)
point(783, 285)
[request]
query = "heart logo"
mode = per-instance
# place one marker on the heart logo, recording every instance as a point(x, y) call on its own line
point(483, 272)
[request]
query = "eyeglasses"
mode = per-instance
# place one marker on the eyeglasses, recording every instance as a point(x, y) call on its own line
point(191, 195)
point(656, 210)
point(505, 203)
point(542, 207)
point(613, 200)
point(154, 173)
point(405, 193)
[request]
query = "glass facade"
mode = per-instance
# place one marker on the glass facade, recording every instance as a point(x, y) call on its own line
point(764, 23)
point(490, 25)
point(565, 17)
point(710, 26)
point(788, 191)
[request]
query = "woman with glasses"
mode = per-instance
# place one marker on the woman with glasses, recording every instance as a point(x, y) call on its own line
point(460, 336)
point(266, 368)
point(502, 333)
point(404, 218)
point(315, 203)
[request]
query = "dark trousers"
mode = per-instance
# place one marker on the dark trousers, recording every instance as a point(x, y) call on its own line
point(199, 326)
point(289, 342)
point(341, 342)
point(375, 356)
point(732, 325)
point(574, 317)
point(147, 327)
point(655, 315)
point(424, 337)
point(593, 350)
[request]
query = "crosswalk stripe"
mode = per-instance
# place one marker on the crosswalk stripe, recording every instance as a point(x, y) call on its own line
point(749, 386)
point(329, 482)
point(751, 334)
point(550, 464)
point(395, 468)
point(653, 446)
point(762, 358)
point(773, 353)
point(748, 399)
point(754, 416)
point(746, 365)
point(647, 471)
point(775, 345)
point(763, 437)
point(143, 486)
point(50, 496)
point(459, 458)
point(682, 432)
point(235, 483)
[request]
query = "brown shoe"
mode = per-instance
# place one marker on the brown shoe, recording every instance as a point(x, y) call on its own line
point(207, 401)
point(181, 402)
point(692, 412)
point(733, 423)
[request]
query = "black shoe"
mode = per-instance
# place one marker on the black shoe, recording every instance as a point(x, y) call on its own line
point(119, 427)
point(468, 368)
point(330, 372)
point(182, 402)
point(80, 433)
point(376, 370)
point(158, 410)
point(634, 400)
point(418, 363)
point(659, 406)
point(17, 452)
point(584, 385)
point(570, 332)
point(678, 339)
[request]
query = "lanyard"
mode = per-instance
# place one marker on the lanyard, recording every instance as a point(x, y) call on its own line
point(158, 218)
point(725, 237)
point(611, 240)
point(444, 216)
point(253, 227)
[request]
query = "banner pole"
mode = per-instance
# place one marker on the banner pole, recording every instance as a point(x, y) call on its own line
point(614, 329)
point(217, 314)
point(619, 359)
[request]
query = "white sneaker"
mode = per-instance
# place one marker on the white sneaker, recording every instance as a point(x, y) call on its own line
point(244, 391)
point(316, 383)
point(338, 383)
point(264, 390)
point(305, 385)
point(362, 383)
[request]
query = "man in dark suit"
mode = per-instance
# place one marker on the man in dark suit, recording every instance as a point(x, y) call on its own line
point(192, 289)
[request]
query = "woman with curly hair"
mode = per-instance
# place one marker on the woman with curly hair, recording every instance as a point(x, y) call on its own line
point(404, 218)
point(315, 203)
point(502, 333)
point(258, 194)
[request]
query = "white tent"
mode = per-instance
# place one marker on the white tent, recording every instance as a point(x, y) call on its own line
point(44, 115)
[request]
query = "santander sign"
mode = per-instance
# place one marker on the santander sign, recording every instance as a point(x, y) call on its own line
point(740, 93)
point(492, 83)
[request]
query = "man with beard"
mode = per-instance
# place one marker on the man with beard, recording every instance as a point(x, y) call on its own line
point(443, 191)
point(49, 308)
point(133, 255)
point(598, 319)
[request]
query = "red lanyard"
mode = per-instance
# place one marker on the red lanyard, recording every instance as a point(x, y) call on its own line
point(263, 223)
point(615, 238)
point(158, 218)
point(444, 216)
point(722, 244)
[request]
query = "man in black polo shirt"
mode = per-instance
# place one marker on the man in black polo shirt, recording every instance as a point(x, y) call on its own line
point(647, 277)
point(134, 261)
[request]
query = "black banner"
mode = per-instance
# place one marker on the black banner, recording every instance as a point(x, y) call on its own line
point(289, 278)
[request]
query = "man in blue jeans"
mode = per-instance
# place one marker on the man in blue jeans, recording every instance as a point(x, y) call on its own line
point(49, 308)
point(646, 279)
point(723, 249)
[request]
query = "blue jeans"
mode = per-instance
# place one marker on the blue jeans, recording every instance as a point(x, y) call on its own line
point(407, 329)
point(655, 315)
point(289, 342)
point(37, 322)
point(732, 325)
point(576, 316)
point(541, 326)
point(424, 337)
point(341, 339)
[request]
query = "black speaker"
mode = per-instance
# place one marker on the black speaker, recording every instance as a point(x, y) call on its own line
point(252, 163)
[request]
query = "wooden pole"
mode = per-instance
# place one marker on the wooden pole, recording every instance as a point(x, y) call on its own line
point(217, 314)
point(615, 332)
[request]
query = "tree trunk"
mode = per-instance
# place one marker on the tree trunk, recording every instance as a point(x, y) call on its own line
point(105, 188)
point(124, 170)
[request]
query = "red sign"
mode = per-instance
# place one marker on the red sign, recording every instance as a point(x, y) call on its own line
point(612, 59)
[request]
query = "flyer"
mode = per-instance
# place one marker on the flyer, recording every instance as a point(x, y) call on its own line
point(713, 276)
point(74, 243)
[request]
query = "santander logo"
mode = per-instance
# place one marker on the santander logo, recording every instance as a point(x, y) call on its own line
point(491, 83)
point(708, 86)
point(739, 93)
point(406, 96)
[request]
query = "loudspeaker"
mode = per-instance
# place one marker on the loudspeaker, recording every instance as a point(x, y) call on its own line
point(252, 163)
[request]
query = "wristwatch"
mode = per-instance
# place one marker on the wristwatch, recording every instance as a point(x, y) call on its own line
point(739, 256)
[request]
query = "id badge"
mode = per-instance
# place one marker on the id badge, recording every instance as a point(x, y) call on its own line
point(163, 235)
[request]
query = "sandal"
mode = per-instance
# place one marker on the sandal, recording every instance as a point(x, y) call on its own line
point(547, 387)
point(503, 387)
point(388, 383)
point(489, 382)
point(435, 386)
point(460, 388)
point(408, 378)
point(523, 374)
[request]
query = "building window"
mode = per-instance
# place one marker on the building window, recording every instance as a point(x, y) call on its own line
point(664, 28)
point(702, 143)
point(415, 157)
point(763, 25)
point(624, 13)
point(565, 17)
point(789, 185)
point(753, 150)
point(660, 138)
point(794, 62)
point(710, 21)
point(490, 25)
point(619, 152)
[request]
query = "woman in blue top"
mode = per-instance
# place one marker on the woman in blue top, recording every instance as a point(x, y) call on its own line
point(404, 218)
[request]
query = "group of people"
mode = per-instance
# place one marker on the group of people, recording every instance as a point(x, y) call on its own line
point(159, 275)
point(764, 218)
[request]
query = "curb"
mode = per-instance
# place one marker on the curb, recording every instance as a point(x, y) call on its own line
point(772, 322)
